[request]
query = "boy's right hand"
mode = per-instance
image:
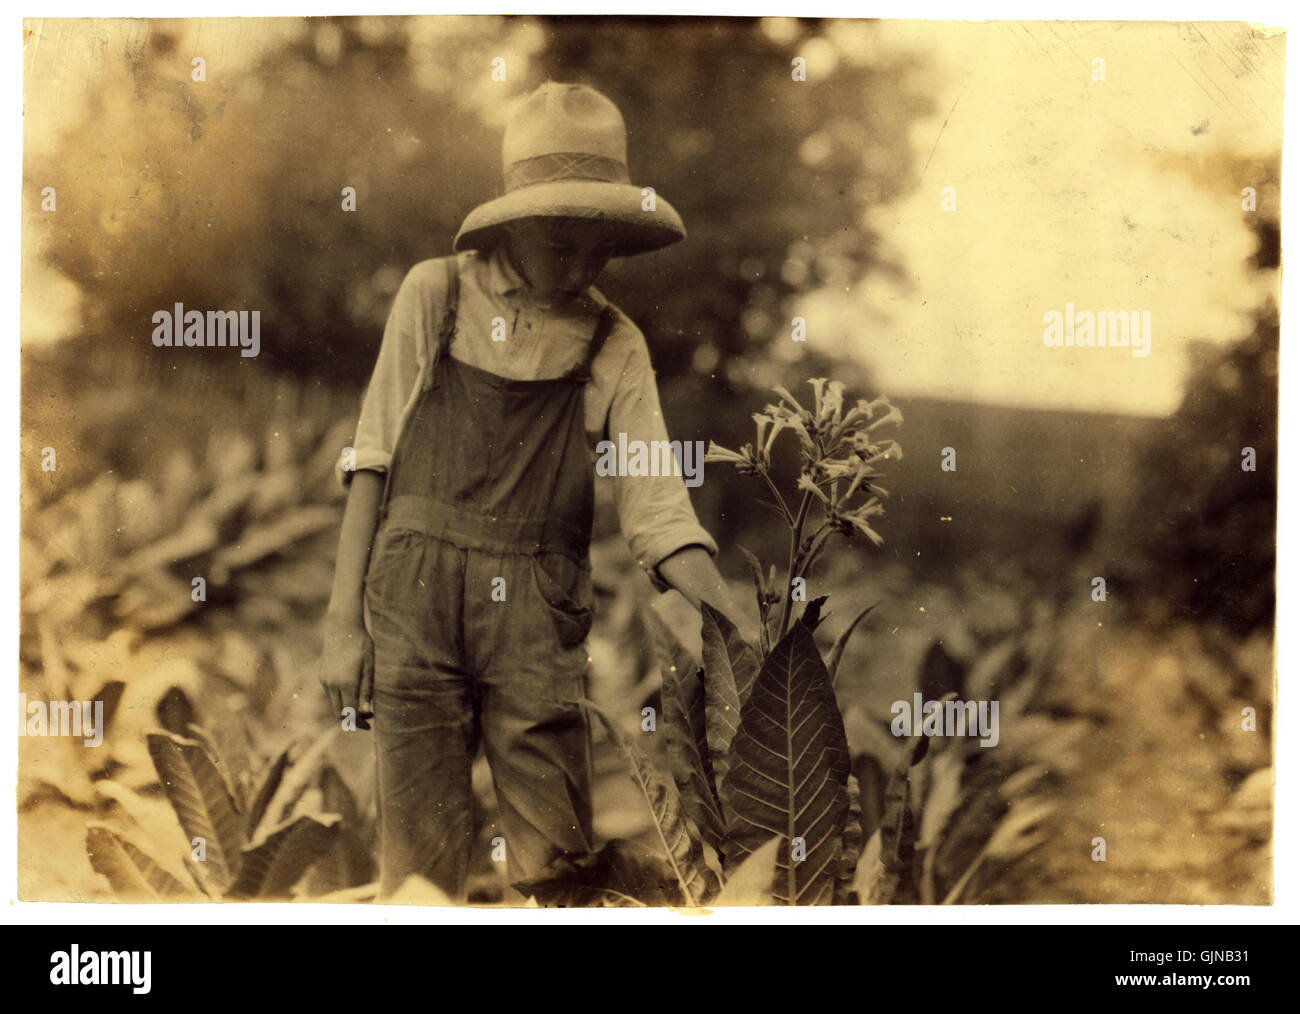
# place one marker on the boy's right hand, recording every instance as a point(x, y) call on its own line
point(347, 672)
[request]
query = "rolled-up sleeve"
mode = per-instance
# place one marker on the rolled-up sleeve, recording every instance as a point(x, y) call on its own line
point(654, 511)
point(402, 358)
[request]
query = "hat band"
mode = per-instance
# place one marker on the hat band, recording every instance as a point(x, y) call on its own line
point(564, 165)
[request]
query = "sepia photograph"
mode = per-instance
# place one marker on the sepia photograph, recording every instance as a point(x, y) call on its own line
point(655, 462)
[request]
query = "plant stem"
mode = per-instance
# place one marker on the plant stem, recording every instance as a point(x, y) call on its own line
point(816, 545)
point(780, 500)
point(953, 895)
point(796, 535)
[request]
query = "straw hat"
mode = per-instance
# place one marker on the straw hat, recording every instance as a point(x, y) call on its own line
point(565, 156)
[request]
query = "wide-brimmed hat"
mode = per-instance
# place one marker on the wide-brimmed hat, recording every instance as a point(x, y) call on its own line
point(565, 156)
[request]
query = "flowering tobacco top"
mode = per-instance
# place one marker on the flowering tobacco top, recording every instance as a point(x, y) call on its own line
point(840, 456)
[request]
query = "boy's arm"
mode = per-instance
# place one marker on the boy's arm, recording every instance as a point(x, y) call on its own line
point(655, 512)
point(692, 572)
point(347, 662)
point(347, 656)
point(347, 659)
point(360, 519)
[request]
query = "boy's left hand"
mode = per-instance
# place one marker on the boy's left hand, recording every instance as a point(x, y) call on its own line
point(348, 668)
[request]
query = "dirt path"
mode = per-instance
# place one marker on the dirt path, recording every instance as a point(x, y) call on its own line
point(1161, 780)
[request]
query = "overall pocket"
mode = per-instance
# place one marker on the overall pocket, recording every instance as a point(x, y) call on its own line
point(565, 587)
point(393, 556)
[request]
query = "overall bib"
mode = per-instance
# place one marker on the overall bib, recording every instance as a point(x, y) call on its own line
point(479, 600)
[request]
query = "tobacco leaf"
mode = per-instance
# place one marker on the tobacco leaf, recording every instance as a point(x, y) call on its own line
point(870, 873)
point(223, 765)
point(152, 820)
point(756, 571)
point(273, 865)
point(942, 798)
point(110, 693)
point(897, 882)
point(201, 800)
point(730, 668)
point(266, 539)
point(300, 775)
point(264, 794)
point(850, 844)
point(685, 856)
point(174, 711)
point(688, 753)
point(871, 781)
point(350, 859)
point(940, 673)
point(841, 642)
point(787, 771)
point(751, 882)
point(130, 871)
point(811, 617)
point(682, 700)
point(1018, 833)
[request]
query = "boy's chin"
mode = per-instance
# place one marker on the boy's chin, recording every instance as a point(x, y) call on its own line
point(558, 297)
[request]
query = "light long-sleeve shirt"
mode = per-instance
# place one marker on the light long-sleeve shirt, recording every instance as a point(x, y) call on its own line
point(654, 512)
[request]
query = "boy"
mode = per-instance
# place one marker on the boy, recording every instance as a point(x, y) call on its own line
point(499, 369)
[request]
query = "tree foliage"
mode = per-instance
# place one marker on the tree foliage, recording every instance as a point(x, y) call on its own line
point(227, 193)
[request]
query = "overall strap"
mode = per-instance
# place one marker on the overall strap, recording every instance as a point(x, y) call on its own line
point(608, 317)
point(448, 327)
point(446, 319)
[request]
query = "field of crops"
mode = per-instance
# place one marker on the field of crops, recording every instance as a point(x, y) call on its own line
point(1111, 730)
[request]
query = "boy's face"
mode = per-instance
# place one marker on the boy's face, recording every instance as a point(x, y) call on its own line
point(559, 257)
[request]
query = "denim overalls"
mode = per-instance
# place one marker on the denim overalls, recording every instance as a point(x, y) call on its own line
point(479, 600)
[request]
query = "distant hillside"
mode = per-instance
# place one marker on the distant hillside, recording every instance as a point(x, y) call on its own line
point(1021, 493)
point(1031, 486)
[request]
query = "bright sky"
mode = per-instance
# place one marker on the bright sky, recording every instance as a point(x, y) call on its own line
point(1114, 195)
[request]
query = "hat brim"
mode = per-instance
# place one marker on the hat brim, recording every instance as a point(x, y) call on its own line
point(632, 229)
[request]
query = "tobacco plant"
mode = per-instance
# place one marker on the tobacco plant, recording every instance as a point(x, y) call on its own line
point(237, 844)
point(761, 806)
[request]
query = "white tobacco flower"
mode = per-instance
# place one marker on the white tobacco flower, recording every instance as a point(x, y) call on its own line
point(763, 438)
point(818, 383)
point(890, 450)
point(794, 402)
point(875, 405)
point(832, 404)
point(787, 419)
point(808, 486)
point(859, 525)
point(745, 460)
point(836, 468)
point(892, 416)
